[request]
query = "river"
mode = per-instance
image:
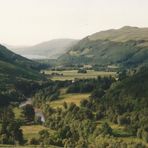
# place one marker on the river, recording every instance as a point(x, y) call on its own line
point(38, 112)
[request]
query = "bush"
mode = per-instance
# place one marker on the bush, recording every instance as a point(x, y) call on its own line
point(34, 141)
point(145, 136)
point(82, 71)
point(106, 129)
point(123, 120)
point(29, 113)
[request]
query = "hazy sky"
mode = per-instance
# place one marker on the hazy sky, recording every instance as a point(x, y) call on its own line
point(27, 22)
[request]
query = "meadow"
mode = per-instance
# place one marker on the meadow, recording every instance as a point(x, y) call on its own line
point(73, 74)
point(31, 131)
point(69, 98)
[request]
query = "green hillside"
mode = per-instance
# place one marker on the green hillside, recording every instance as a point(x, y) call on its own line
point(131, 91)
point(14, 67)
point(126, 46)
point(18, 76)
point(126, 103)
point(10, 57)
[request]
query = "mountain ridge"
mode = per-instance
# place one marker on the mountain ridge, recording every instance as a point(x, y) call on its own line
point(124, 46)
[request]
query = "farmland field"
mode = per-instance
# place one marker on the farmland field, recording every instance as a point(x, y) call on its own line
point(31, 131)
point(69, 98)
point(73, 74)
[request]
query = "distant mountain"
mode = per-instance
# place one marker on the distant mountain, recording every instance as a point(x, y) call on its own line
point(46, 50)
point(14, 67)
point(126, 46)
point(14, 47)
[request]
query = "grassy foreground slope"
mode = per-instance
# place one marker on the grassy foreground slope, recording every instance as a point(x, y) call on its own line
point(126, 46)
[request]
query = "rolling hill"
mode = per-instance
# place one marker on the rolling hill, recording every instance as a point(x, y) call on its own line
point(14, 67)
point(46, 50)
point(127, 46)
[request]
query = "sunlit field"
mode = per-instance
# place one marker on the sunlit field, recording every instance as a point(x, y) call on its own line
point(69, 98)
point(32, 131)
point(73, 74)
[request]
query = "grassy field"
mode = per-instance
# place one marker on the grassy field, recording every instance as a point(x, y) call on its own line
point(118, 130)
point(120, 135)
point(18, 112)
point(69, 98)
point(31, 131)
point(128, 140)
point(73, 74)
point(17, 146)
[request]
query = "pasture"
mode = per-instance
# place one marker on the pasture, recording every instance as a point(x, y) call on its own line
point(69, 98)
point(73, 74)
point(31, 131)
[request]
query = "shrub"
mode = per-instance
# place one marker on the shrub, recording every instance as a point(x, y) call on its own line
point(34, 141)
point(82, 71)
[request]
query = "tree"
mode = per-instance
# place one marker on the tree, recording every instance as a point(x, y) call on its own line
point(6, 114)
point(28, 112)
point(122, 75)
point(43, 134)
point(11, 133)
point(55, 96)
point(65, 132)
point(82, 143)
point(106, 129)
point(99, 115)
point(123, 120)
point(82, 71)
point(97, 94)
point(34, 141)
point(15, 131)
point(145, 136)
point(83, 103)
point(44, 137)
point(65, 105)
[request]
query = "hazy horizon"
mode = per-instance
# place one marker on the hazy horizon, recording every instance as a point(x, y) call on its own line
point(29, 22)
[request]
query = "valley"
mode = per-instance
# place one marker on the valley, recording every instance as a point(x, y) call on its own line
point(73, 74)
point(93, 95)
